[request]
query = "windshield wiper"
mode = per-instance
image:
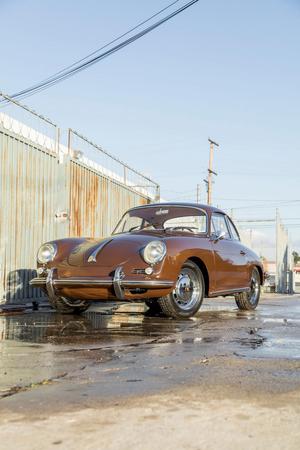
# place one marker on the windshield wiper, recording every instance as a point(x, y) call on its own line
point(137, 227)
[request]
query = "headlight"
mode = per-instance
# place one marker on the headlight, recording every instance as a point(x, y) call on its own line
point(46, 253)
point(154, 252)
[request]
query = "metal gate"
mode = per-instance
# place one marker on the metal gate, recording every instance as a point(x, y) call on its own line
point(281, 270)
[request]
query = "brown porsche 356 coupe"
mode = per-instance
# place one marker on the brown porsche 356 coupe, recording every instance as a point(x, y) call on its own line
point(169, 255)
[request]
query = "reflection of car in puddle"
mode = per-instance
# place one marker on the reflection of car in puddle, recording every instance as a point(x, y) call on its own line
point(91, 328)
point(97, 330)
point(47, 327)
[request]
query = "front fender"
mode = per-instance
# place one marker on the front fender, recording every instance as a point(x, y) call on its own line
point(179, 251)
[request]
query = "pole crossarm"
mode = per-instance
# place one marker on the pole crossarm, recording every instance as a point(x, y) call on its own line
point(213, 142)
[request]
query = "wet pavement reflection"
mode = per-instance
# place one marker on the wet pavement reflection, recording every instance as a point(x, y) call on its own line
point(40, 346)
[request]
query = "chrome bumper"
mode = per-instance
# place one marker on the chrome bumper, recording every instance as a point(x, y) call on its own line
point(118, 282)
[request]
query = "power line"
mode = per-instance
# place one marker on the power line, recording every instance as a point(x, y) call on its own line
point(265, 220)
point(64, 74)
point(267, 205)
point(103, 47)
point(179, 192)
point(259, 226)
point(255, 200)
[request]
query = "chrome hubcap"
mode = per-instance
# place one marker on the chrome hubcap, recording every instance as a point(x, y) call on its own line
point(187, 289)
point(254, 289)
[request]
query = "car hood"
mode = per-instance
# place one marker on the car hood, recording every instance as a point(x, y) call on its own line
point(109, 251)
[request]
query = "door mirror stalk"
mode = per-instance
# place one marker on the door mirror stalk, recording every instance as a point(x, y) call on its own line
point(218, 237)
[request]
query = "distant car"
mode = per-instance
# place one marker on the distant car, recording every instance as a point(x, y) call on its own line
point(169, 255)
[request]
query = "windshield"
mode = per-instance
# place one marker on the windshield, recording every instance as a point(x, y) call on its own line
point(186, 219)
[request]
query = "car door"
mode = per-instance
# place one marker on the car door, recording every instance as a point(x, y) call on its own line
point(240, 254)
point(230, 263)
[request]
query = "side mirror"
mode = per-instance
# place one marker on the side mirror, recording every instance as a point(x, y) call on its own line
point(218, 237)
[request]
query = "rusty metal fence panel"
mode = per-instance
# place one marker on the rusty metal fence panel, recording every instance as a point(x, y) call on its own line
point(99, 159)
point(28, 198)
point(97, 202)
point(48, 192)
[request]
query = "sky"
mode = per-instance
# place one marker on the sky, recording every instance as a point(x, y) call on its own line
point(226, 70)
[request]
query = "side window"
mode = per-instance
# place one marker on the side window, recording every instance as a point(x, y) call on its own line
point(234, 233)
point(218, 225)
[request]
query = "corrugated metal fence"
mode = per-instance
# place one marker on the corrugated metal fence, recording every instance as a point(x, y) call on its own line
point(50, 191)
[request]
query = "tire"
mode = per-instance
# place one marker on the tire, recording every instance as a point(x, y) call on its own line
point(185, 301)
point(154, 307)
point(248, 301)
point(65, 305)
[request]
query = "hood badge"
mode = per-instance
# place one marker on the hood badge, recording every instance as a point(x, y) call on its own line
point(93, 256)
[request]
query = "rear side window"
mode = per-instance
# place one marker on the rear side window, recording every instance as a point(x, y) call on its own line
point(219, 225)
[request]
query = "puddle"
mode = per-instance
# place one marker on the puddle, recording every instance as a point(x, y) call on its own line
point(42, 345)
point(91, 327)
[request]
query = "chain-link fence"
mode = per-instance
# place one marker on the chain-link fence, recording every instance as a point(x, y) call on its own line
point(95, 156)
point(273, 248)
point(27, 123)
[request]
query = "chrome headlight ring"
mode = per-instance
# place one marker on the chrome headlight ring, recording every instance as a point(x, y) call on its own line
point(154, 252)
point(46, 253)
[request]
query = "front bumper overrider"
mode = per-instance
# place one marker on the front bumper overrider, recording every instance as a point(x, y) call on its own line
point(119, 283)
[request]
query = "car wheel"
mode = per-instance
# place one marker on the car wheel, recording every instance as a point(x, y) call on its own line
point(68, 306)
point(186, 298)
point(249, 300)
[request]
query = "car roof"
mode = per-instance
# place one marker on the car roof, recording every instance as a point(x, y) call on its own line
point(207, 208)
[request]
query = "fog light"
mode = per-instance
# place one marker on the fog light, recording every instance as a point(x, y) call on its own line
point(148, 270)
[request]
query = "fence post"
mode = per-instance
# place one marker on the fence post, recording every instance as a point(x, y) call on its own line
point(157, 193)
point(69, 141)
point(61, 213)
point(282, 257)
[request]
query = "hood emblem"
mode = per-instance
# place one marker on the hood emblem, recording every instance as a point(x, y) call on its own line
point(93, 256)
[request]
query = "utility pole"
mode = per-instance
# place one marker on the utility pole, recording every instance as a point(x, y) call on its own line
point(198, 193)
point(277, 274)
point(209, 180)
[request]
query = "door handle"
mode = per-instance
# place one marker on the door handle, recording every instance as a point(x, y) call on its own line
point(242, 252)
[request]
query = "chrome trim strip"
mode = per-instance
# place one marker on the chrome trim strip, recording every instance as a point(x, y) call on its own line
point(94, 254)
point(37, 282)
point(229, 291)
point(149, 284)
point(155, 284)
point(82, 282)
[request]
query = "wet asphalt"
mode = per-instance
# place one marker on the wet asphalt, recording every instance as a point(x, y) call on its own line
point(49, 360)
